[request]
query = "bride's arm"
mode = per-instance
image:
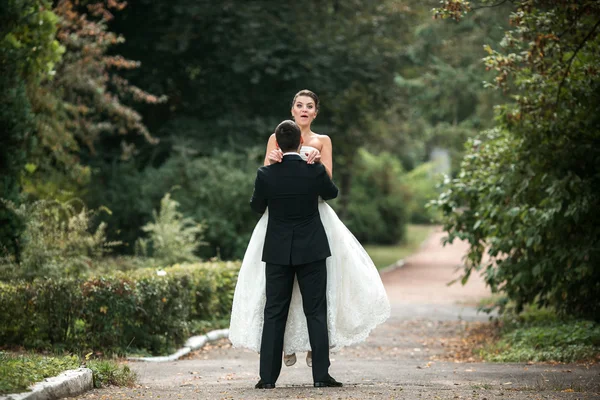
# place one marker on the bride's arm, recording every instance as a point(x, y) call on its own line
point(273, 153)
point(327, 155)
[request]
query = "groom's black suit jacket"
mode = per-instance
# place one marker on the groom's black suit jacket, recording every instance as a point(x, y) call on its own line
point(291, 190)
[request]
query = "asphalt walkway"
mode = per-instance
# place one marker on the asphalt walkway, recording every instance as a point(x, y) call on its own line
point(398, 360)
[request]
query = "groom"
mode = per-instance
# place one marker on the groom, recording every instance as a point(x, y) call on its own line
point(295, 245)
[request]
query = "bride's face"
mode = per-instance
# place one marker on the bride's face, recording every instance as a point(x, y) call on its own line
point(304, 111)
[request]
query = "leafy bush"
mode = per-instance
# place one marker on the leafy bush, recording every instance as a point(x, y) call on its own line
point(172, 238)
point(529, 190)
point(109, 312)
point(215, 190)
point(56, 241)
point(110, 373)
point(119, 313)
point(212, 189)
point(420, 190)
point(377, 210)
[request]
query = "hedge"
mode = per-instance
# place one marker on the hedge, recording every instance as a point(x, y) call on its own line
point(119, 313)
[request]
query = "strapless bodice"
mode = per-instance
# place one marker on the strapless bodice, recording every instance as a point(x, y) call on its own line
point(304, 150)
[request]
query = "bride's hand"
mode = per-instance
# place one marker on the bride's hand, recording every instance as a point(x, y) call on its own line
point(313, 156)
point(275, 156)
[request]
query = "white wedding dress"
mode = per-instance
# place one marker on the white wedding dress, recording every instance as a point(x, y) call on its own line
point(356, 299)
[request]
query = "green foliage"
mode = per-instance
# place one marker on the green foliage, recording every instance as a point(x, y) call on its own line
point(84, 102)
point(538, 335)
point(202, 327)
point(386, 255)
point(377, 208)
point(119, 186)
point(231, 70)
point(56, 241)
point(421, 185)
point(215, 190)
point(18, 372)
point(119, 313)
point(528, 190)
point(110, 373)
point(442, 100)
point(27, 38)
point(15, 121)
point(172, 237)
point(28, 52)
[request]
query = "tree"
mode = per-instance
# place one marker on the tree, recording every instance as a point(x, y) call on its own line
point(231, 70)
point(529, 189)
point(28, 53)
point(83, 103)
point(442, 100)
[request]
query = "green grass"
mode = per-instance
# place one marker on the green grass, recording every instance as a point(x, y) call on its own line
point(540, 335)
point(108, 372)
point(19, 371)
point(384, 255)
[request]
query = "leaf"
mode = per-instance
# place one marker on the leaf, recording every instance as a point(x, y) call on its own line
point(30, 167)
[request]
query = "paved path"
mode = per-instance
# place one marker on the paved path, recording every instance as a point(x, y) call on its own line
point(394, 363)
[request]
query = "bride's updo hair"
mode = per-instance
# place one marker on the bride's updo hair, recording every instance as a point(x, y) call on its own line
point(307, 93)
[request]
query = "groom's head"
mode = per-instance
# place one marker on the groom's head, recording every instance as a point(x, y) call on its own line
point(288, 136)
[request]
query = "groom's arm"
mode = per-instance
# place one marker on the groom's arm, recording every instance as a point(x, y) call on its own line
point(328, 189)
point(258, 202)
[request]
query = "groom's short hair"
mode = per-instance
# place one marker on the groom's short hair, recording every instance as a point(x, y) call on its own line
point(288, 135)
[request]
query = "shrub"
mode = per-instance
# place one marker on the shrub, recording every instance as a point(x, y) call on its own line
point(212, 189)
point(109, 373)
point(57, 241)
point(172, 238)
point(109, 312)
point(540, 335)
point(528, 192)
point(420, 190)
point(117, 313)
point(377, 206)
point(215, 190)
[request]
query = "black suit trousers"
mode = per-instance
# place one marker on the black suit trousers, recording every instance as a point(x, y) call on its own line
point(312, 279)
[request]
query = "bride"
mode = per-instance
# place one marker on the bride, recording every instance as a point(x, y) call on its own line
point(356, 299)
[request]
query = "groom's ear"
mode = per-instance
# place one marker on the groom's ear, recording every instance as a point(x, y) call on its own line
point(301, 140)
point(276, 144)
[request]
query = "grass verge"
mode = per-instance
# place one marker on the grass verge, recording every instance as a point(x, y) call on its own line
point(19, 371)
point(535, 335)
point(539, 335)
point(385, 255)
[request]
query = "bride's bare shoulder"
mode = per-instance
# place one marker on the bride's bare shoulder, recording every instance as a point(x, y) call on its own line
point(323, 139)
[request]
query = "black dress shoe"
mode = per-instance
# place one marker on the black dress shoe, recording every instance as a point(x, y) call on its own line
point(329, 382)
point(262, 385)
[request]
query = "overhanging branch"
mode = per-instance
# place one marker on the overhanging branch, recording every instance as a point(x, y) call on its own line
point(570, 62)
point(491, 5)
